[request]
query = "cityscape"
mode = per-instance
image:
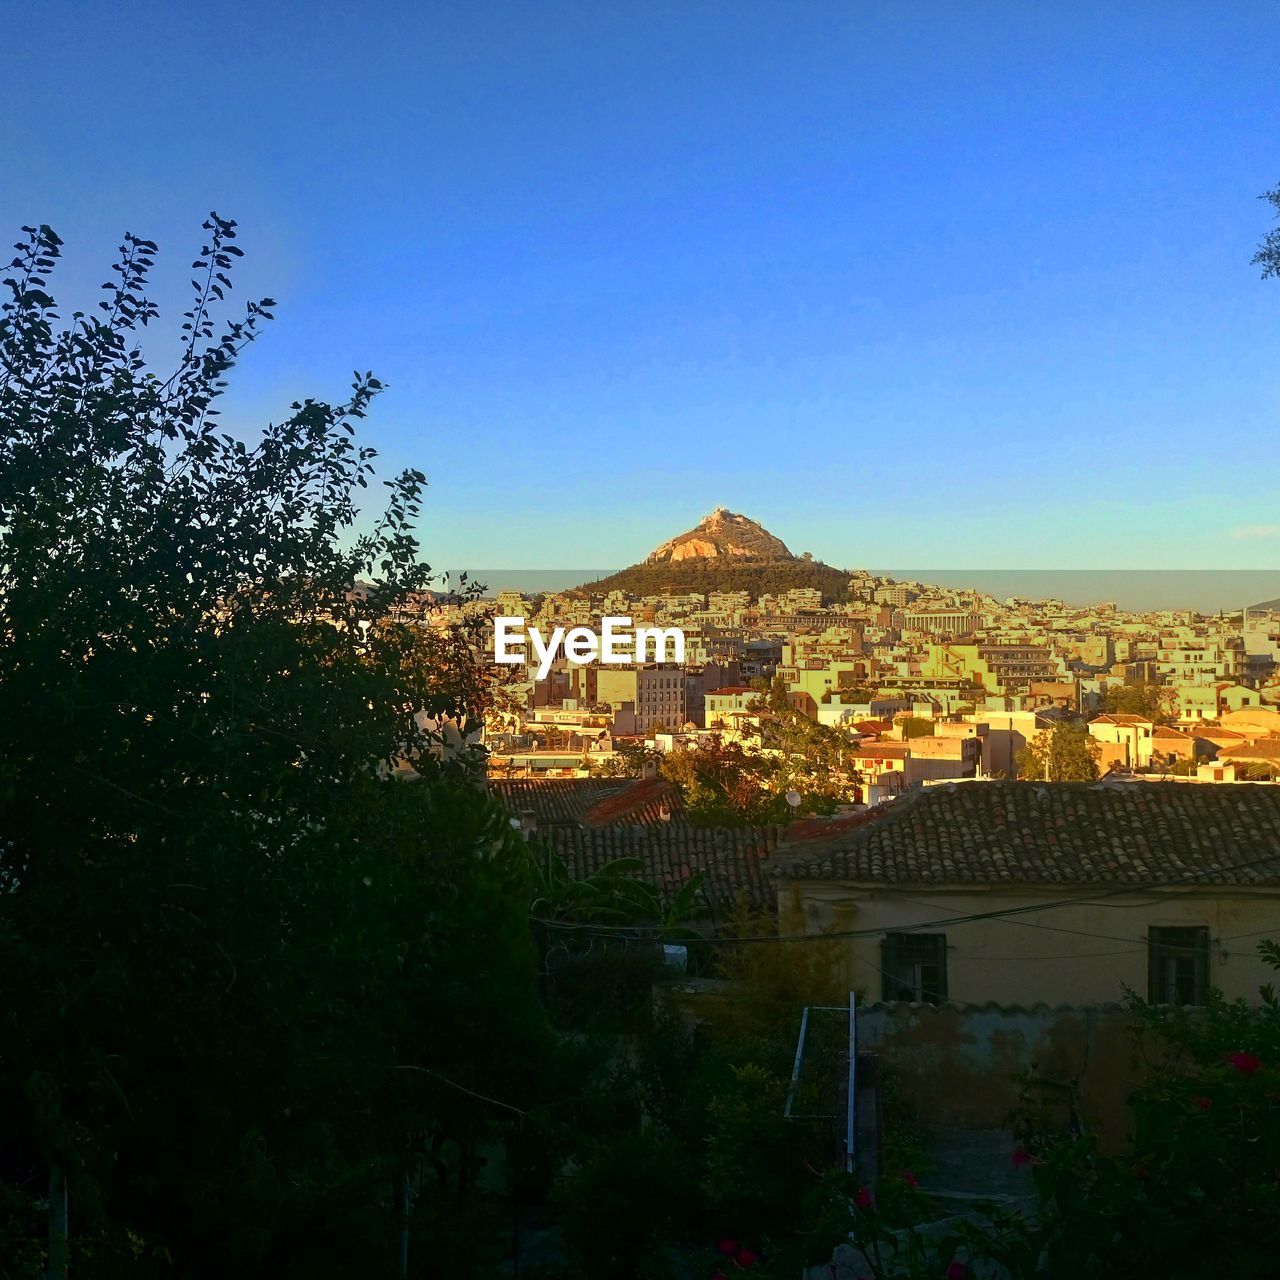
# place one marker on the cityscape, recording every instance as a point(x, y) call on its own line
point(867, 653)
point(746, 903)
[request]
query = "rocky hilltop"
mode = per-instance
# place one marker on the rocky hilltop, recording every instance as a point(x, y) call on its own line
point(724, 552)
point(723, 535)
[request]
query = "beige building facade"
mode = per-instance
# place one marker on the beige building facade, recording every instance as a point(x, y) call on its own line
point(1056, 946)
point(1068, 893)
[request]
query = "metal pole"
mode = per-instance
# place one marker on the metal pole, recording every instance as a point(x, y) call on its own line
point(795, 1067)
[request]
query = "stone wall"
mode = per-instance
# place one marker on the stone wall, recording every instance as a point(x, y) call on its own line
point(958, 1065)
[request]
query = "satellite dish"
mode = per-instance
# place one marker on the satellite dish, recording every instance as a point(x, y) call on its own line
point(793, 799)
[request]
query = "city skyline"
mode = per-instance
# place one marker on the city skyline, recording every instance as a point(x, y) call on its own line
point(1205, 591)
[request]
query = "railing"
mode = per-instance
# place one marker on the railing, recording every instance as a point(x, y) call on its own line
point(851, 1077)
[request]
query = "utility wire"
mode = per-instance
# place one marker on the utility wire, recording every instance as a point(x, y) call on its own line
point(965, 918)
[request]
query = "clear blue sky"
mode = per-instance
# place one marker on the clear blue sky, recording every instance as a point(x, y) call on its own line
point(933, 284)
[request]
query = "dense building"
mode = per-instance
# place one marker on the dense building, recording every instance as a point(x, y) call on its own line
point(959, 622)
point(1013, 666)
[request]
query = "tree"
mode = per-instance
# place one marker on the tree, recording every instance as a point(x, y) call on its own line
point(1065, 753)
point(629, 759)
point(1154, 701)
point(246, 977)
point(724, 784)
point(815, 760)
point(626, 1208)
point(855, 693)
point(1196, 1193)
point(1268, 254)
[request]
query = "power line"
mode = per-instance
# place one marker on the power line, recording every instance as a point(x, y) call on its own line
point(1124, 951)
point(1005, 913)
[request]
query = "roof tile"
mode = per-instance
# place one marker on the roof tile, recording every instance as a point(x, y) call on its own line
point(1058, 833)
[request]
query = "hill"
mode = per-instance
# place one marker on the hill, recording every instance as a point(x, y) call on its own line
point(725, 551)
point(757, 578)
point(723, 535)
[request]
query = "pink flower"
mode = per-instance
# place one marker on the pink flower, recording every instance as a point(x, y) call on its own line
point(745, 1258)
point(863, 1198)
point(955, 1271)
point(1203, 1103)
point(728, 1247)
point(1022, 1156)
point(1246, 1063)
point(910, 1179)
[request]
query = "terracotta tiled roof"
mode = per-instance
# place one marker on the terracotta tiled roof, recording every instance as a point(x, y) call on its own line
point(1219, 737)
point(805, 830)
point(646, 800)
point(589, 801)
point(1060, 833)
point(1265, 749)
point(730, 858)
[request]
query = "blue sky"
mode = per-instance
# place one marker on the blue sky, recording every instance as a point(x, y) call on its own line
point(927, 284)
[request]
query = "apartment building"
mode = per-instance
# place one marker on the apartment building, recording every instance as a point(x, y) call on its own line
point(896, 594)
point(1127, 741)
point(722, 705)
point(993, 666)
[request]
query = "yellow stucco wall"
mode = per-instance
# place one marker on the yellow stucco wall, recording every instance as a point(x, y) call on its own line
point(616, 685)
point(1073, 953)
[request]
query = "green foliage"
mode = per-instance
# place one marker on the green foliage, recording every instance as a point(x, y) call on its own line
point(814, 759)
point(1197, 1192)
point(1268, 254)
point(1065, 753)
point(755, 1156)
point(22, 1232)
point(700, 1111)
point(628, 760)
point(614, 894)
point(246, 977)
point(626, 1207)
point(592, 980)
point(1156, 702)
point(757, 578)
point(773, 980)
point(728, 784)
point(1194, 1195)
point(903, 1135)
point(856, 693)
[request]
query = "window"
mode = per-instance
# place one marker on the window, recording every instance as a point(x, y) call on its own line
point(915, 967)
point(1177, 964)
